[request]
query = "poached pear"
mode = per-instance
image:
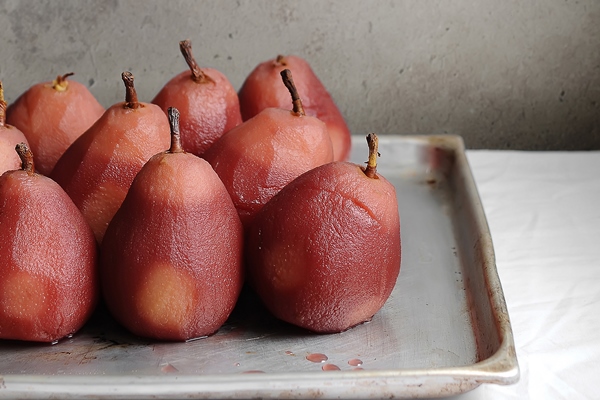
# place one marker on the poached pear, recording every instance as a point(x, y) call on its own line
point(261, 89)
point(52, 115)
point(171, 264)
point(10, 136)
point(206, 100)
point(324, 253)
point(98, 168)
point(48, 258)
point(256, 159)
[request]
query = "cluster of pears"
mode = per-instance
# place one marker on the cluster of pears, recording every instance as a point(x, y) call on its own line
point(164, 210)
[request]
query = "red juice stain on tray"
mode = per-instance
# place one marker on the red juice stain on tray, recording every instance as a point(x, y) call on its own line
point(317, 357)
point(330, 367)
point(169, 369)
point(355, 362)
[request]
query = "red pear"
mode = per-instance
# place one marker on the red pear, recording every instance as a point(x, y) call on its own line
point(172, 255)
point(261, 89)
point(48, 254)
point(207, 101)
point(52, 115)
point(9, 138)
point(324, 253)
point(98, 168)
point(258, 158)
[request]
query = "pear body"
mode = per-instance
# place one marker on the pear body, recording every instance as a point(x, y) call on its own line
point(172, 256)
point(256, 159)
point(324, 253)
point(48, 260)
point(98, 168)
point(52, 119)
point(207, 109)
point(262, 88)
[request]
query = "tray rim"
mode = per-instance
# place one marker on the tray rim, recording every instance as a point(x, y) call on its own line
point(500, 368)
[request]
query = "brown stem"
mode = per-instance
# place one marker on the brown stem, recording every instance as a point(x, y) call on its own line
point(60, 83)
point(3, 106)
point(26, 158)
point(280, 61)
point(173, 115)
point(197, 75)
point(371, 168)
point(131, 99)
point(286, 75)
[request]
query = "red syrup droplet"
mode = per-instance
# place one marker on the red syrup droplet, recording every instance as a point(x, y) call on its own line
point(355, 362)
point(330, 367)
point(317, 357)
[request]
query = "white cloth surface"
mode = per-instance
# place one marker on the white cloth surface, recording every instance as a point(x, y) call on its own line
point(543, 210)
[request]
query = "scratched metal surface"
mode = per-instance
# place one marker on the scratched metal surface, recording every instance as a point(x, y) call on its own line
point(443, 331)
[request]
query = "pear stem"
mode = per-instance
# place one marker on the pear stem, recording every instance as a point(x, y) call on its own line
point(197, 74)
point(131, 99)
point(173, 115)
point(3, 106)
point(26, 157)
point(373, 142)
point(61, 84)
point(280, 60)
point(286, 75)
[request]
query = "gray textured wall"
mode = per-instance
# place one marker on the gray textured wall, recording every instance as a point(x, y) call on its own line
point(503, 74)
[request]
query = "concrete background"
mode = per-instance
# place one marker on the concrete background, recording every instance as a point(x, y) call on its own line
point(508, 74)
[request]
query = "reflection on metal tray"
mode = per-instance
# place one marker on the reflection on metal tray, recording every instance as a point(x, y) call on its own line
point(444, 330)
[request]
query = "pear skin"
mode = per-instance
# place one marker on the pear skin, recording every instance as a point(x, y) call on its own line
point(261, 89)
point(206, 100)
point(48, 258)
point(324, 253)
point(171, 264)
point(52, 115)
point(98, 168)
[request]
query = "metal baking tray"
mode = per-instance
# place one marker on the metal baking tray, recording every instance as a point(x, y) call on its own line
point(445, 329)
